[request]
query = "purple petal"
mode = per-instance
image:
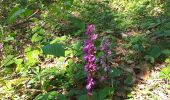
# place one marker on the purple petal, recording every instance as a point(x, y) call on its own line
point(90, 29)
point(90, 83)
point(94, 36)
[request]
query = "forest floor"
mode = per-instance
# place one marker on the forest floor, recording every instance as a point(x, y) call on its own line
point(146, 77)
point(152, 87)
point(42, 56)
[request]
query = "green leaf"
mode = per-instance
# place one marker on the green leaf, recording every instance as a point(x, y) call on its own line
point(61, 97)
point(26, 13)
point(76, 24)
point(167, 25)
point(48, 96)
point(18, 62)
point(166, 52)
point(129, 80)
point(32, 57)
point(8, 60)
point(77, 45)
point(165, 73)
point(9, 38)
point(95, 96)
point(59, 40)
point(103, 93)
point(83, 97)
point(16, 12)
point(36, 38)
point(116, 73)
point(54, 49)
point(155, 52)
point(162, 33)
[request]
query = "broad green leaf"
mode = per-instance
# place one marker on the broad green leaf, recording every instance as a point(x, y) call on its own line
point(155, 52)
point(103, 93)
point(48, 96)
point(36, 38)
point(54, 49)
point(16, 12)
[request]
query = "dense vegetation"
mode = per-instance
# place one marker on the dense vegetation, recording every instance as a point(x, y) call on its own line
point(84, 49)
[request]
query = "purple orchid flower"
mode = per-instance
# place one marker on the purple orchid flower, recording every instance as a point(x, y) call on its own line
point(89, 57)
point(104, 59)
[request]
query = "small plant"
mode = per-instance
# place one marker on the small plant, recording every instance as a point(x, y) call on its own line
point(165, 73)
point(90, 59)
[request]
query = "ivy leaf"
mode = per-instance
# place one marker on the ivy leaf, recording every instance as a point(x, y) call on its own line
point(54, 49)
